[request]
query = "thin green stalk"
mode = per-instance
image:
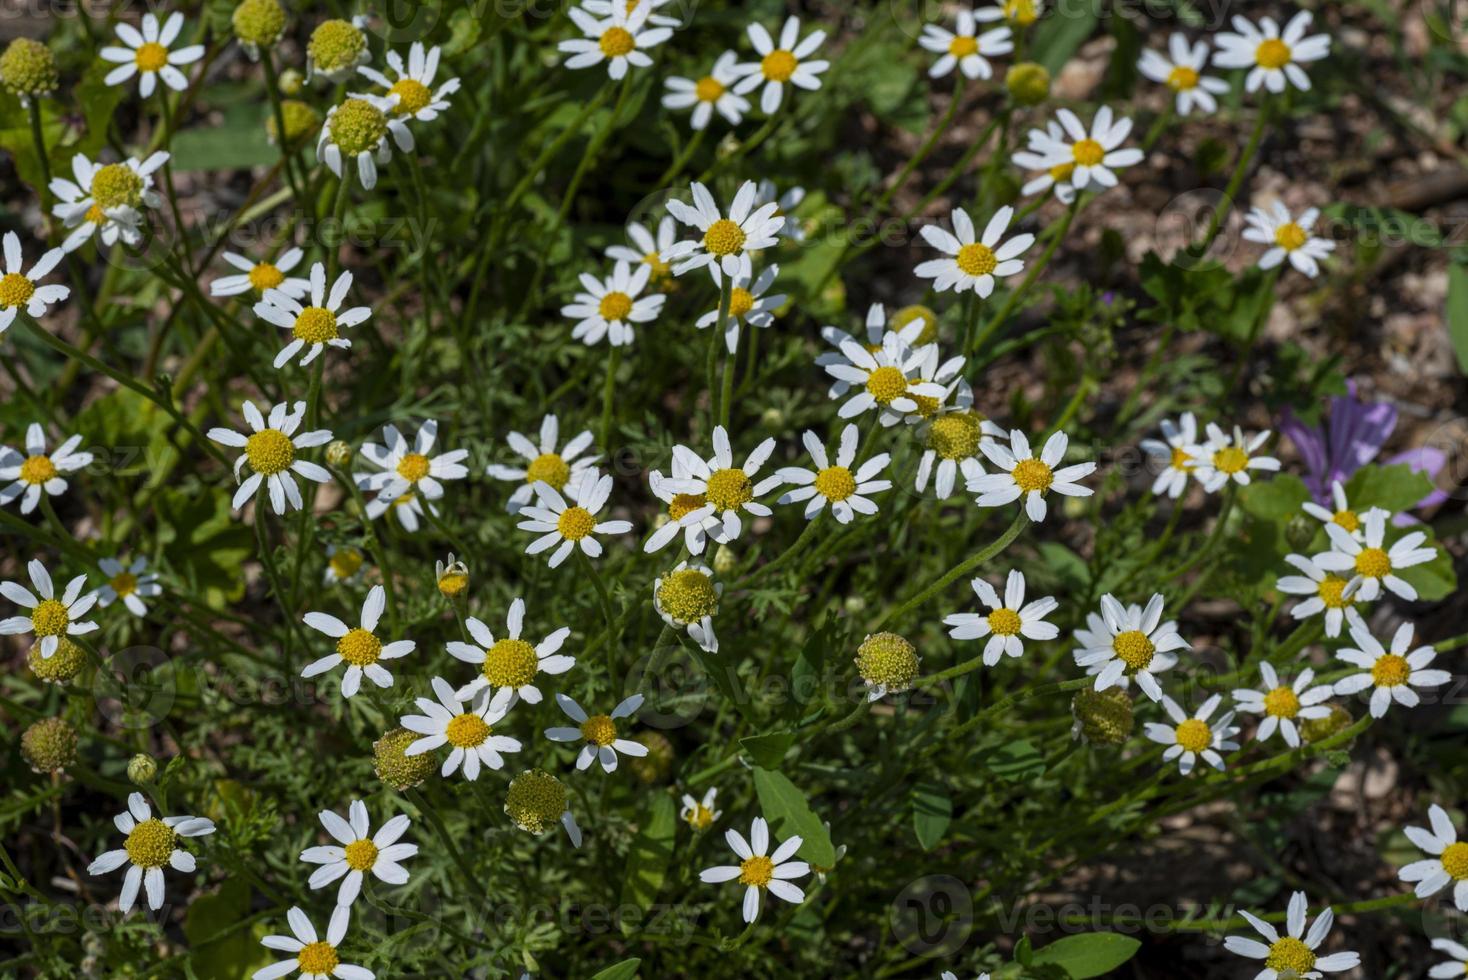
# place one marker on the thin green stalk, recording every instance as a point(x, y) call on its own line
point(1236, 179)
point(608, 399)
point(956, 572)
point(1012, 300)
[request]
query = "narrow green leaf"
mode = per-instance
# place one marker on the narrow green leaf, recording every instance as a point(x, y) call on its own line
point(932, 811)
point(647, 860)
point(785, 807)
point(1091, 954)
point(625, 970)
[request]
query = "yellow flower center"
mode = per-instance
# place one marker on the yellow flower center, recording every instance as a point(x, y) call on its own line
point(1332, 590)
point(345, 562)
point(1021, 12)
point(723, 237)
point(1135, 649)
point(614, 306)
point(889, 660)
point(124, 583)
point(1062, 171)
point(361, 855)
point(599, 730)
point(357, 126)
point(151, 843)
point(49, 618)
point(117, 185)
point(510, 663)
point(1004, 622)
point(1194, 735)
point(886, 383)
point(550, 469)
point(660, 269)
point(37, 469)
point(684, 504)
point(778, 65)
point(467, 731)
point(1272, 53)
point(729, 489)
point(535, 799)
point(962, 47)
point(269, 451)
point(1373, 563)
point(15, 289)
point(318, 958)
point(1182, 78)
point(688, 595)
point(1282, 702)
point(1032, 475)
point(741, 301)
point(1390, 670)
point(700, 817)
point(835, 483)
point(708, 89)
point(1087, 152)
point(336, 44)
point(95, 215)
point(265, 276)
point(1290, 236)
point(413, 467)
point(359, 648)
point(413, 96)
point(1346, 519)
point(455, 579)
point(1455, 860)
point(757, 870)
point(956, 436)
point(1180, 459)
point(315, 325)
point(575, 523)
point(617, 42)
point(151, 56)
point(1289, 953)
point(976, 259)
point(1230, 460)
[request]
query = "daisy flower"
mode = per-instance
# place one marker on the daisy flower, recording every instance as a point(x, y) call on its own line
point(130, 583)
point(571, 523)
point(784, 65)
point(1369, 559)
point(1455, 967)
point(1294, 954)
point(1287, 238)
point(954, 441)
point(724, 243)
point(451, 577)
point(1343, 515)
point(965, 48)
point(407, 509)
point(358, 648)
point(336, 48)
point(1391, 673)
point(412, 90)
point(261, 276)
point(846, 491)
point(342, 564)
point(646, 248)
point(557, 468)
point(599, 732)
point(50, 618)
point(620, 39)
point(758, 870)
point(359, 851)
point(1006, 621)
point(467, 726)
point(973, 263)
point(1191, 737)
point(1181, 69)
point(1334, 595)
point(19, 290)
point(1223, 458)
point(712, 93)
point(1281, 704)
point(726, 488)
point(151, 844)
point(1027, 476)
point(510, 663)
point(609, 308)
point(1132, 639)
point(690, 513)
point(36, 471)
point(358, 129)
point(1020, 13)
point(958, 394)
point(110, 198)
point(271, 449)
point(315, 958)
point(146, 54)
point(1176, 451)
point(1272, 57)
point(315, 327)
point(1096, 634)
point(912, 334)
point(1448, 864)
point(785, 202)
point(700, 814)
point(886, 379)
point(1054, 168)
point(1093, 157)
point(747, 304)
point(535, 800)
point(687, 598)
point(407, 466)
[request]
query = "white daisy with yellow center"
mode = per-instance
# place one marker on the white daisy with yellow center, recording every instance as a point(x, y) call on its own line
point(612, 307)
point(915, 332)
point(466, 726)
point(1225, 458)
point(953, 440)
point(687, 598)
point(410, 466)
point(1273, 57)
point(318, 326)
point(690, 513)
point(729, 490)
point(1029, 477)
point(1342, 514)
point(1368, 556)
point(723, 244)
point(408, 509)
point(412, 86)
point(343, 564)
point(621, 39)
point(1335, 596)
point(257, 277)
point(358, 648)
point(1088, 160)
point(110, 198)
point(1052, 169)
point(760, 871)
point(1181, 70)
point(22, 290)
point(152, 844)
point(646, 248)
point(964, 47)
point(781, 65)
point(510, 663)
point(1132, 643)
point(1391, 674)
point(451, 577)
point(975, 263)
point(1454, 968)
point(567, 522)
point(785, 202)
point(313, 957)
point(271, 450)
point(131, 583)
point(1018, 13)
point(1287, 237)
point(1448, 864)
point(146, 54)
point(358, 129)
point(599, 732)
point(36, 472)
point(1174, 455)
point(887, 380)
point(545, 462)
point(748, 304)
point(1284, 705)
point(1007, 621)
point(358, 851)
point(700, 815)
point(712, 93)
point(1294, 954)
point(837, 484)
point(49, 618)
point(1190, 738)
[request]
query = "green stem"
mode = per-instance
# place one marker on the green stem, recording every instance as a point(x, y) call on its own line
point(614, 360)
point(957, 571)
point(1236, 180)
point(1012, 300)
point(923, 151)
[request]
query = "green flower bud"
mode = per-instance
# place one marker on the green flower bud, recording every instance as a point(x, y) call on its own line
point(141, 769)
point(339, 452)
point(336, 48)
point(301, 122)
point(1300, 531)
point(28, 69)
point(1028, 83)
point(658, 763)
point(49, 745)
point(1103, 717)
point(258, 24)
point(396, 769)
point(291, 82)
point(1319, 729)
point(535, 801)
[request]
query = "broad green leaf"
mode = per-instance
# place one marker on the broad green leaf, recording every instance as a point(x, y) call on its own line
point(203, 543)
point(235, 953)
point(647, 860)
point(1091, 954)
point(1435, 579)
point(1016, 761)
point(625, 970)
point(1395, 488)
point(1457, 313)
point(1277, 499)
point(932, 811)
point(768, 750)
point(1059, 35)
point(785, 807)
